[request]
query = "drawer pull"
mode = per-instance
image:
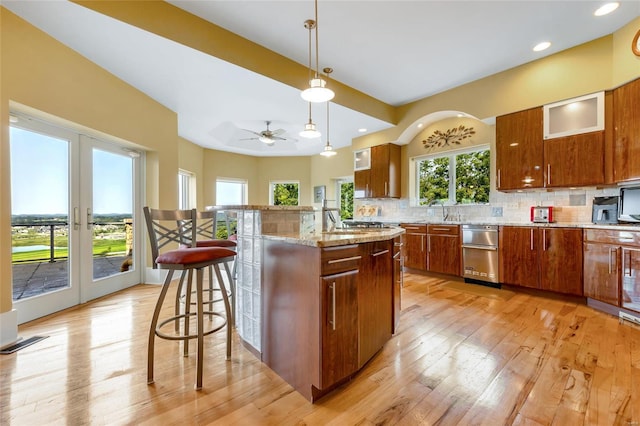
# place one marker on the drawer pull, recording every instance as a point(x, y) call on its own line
point(442, 229)
point(411, 227)
point(344, 259)
point(380, 253)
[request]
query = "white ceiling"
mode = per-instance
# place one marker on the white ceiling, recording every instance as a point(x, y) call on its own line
point(395, 51)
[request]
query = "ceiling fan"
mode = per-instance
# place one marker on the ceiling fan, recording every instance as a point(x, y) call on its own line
point(267, 136)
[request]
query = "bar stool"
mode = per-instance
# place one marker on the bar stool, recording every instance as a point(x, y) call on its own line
point(179, 226)
point(206, 228)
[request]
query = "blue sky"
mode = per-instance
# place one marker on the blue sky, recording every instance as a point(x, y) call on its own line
point(39, 176)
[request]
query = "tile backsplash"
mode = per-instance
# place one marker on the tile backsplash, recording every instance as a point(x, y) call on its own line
point(570, 206)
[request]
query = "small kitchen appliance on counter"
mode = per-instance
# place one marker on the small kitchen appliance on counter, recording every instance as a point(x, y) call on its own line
point(541, 214)
point(605, 210)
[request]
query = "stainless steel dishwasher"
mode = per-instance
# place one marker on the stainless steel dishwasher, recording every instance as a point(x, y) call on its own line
point(480, 253)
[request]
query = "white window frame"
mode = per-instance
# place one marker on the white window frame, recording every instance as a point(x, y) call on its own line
point(415, 174)
point(273, 183)
point(186, 190)
point(244, 185)
point(338, 191)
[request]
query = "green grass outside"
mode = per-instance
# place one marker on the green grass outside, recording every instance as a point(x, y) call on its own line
point(100, 248)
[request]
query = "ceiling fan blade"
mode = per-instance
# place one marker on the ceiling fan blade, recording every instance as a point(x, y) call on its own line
point(248, 139)
point(251, 131)
point(277, 132)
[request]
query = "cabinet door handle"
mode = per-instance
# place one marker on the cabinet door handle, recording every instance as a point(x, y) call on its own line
point(380, 253)
point(386, 192)
point(429, 243)
point(333, 305)
point(344, 259)
point(544, 240)
point(498, 178)
point(548, 173)
point(611, 251)
point(366, 191)
point(422, 242)
point(531, 239)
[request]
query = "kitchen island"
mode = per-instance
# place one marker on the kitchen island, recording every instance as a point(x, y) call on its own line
point(330, 301)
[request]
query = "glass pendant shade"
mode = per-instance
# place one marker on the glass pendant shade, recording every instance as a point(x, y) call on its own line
point(317, 92)
point(310, 131)
point(328, 150)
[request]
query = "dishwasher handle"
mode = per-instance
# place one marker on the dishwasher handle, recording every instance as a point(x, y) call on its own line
point(479, 247)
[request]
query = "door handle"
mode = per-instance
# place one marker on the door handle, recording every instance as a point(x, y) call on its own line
point(90, 222)
point(76, 218)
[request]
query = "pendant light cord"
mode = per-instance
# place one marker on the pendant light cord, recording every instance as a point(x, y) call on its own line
point(317, 54)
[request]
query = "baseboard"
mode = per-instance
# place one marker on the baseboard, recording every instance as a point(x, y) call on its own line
point(154, 276)
point(8, 328)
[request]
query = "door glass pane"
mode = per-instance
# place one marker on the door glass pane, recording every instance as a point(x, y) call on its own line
point(39, 213)
point(112, 213)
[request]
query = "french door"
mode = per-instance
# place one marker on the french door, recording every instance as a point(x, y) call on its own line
point(75, 226)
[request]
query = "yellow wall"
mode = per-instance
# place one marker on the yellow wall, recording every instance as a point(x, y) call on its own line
point(220, 164)
point(284, 169)
point(191, 159)
point(325, 171)
point(40, 72)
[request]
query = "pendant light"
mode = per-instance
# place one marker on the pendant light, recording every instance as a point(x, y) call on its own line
point(328, 149)
point(310, 130)
point(317, 90)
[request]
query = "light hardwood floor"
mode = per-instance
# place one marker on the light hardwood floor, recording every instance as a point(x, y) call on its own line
point(463, 355)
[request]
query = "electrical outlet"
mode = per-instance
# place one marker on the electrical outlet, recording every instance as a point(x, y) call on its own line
point(496, 211)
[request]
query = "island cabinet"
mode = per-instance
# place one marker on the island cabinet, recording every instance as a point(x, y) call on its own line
point(326, 311)
point(626, 132)
point(382, 180)
point(443, 249)
point(415, 254)
point(519, 150)
point(612, 267)
point(546, 258)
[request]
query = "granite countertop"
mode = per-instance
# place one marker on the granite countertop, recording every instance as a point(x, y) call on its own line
point(260, 207)
point(613, 226)
point(339, 237)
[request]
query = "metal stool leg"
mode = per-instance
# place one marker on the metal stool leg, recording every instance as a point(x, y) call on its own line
point(200, 338)
point(227, 307)
point(178, 296)
point(232, 291)
point(187, 312)
point(154, 323)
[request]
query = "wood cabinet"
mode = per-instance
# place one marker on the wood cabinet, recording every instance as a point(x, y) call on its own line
point(443, 249)
point(325, 311)
point(630, 298)
point(519, 150)
point(626, 132)
point(375, 304)
point(612, 267)
point(382, 180)
point(339, 327)
point(576, 160)
point(415, 254)
point(602, 266)
point(543, 258)
point(524, 160)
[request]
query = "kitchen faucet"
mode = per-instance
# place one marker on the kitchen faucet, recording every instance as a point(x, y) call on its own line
point(436, 201)
point(327, 215)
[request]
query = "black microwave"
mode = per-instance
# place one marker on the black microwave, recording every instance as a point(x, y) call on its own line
point(629, 204)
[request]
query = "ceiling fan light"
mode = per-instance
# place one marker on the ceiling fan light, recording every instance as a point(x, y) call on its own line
point(317, 92)
point(328, 150)
point(310, 131)
point(266, 140)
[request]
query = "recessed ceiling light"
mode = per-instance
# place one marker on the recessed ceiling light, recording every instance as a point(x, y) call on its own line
point(13, 119)
point(606, 8)
point(362, 130)
point(460, 115)
point(420, 125)
point(541, 46)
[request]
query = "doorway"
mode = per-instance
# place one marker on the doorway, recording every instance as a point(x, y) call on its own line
point(74, 200)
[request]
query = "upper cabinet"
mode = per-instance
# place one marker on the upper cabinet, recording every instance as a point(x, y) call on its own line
point(519, 150)
point(382, 178)
point(626, 130)
point(548, 147)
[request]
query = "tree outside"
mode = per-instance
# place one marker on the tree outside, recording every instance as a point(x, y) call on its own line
point(346, 200)
point(472, 178)
point(285, 194)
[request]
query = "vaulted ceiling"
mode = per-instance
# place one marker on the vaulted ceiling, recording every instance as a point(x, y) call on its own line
point(384, 54)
